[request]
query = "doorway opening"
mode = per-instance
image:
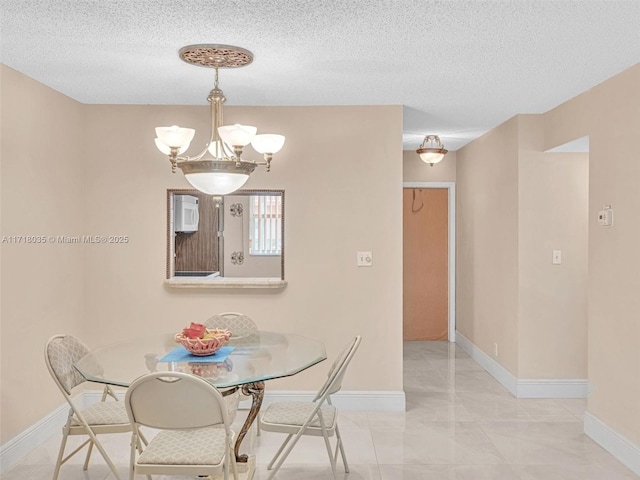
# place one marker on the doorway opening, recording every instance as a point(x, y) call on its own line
point(429, 261)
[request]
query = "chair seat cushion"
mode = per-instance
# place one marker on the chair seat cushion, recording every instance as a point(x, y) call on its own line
point(204, 446)
point(104, 413)
point(296, 413)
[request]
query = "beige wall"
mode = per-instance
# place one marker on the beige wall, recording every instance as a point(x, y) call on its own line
point(516, 205)
point(415, 170)
point(610, 114)
point(42, 193)
point(105, 293)
point(487, 243)
point(553, 191)
point(341, 171)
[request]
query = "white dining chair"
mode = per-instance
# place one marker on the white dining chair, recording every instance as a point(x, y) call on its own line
point(195, 436)
point(60, 354)
point(243, 332)
point(239, 324)
point(317, 418)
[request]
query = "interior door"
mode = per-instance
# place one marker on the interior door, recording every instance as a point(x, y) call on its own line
point(425, 261)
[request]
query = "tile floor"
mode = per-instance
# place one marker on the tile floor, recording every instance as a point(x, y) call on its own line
point(459, 424)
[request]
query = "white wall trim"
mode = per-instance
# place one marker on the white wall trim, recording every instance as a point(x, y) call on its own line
point(613, 442)
point(451, 189)
point(553, 388)
point(497, 371)
point(13, 451)
point(24, 443)
point(524, 388)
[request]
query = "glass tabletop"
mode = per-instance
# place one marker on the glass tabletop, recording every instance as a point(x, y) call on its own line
point(256, 357)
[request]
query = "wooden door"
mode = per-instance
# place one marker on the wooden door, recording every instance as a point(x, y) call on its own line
point(425, 260)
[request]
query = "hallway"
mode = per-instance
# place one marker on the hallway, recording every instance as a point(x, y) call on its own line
point(458, 415)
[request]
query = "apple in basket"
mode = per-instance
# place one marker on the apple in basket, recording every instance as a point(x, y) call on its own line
point(200, 340)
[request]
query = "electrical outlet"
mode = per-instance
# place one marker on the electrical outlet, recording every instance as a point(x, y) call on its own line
point(365, 259)
point(605, 216)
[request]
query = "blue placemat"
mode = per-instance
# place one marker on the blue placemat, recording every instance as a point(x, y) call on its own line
point(181, 354)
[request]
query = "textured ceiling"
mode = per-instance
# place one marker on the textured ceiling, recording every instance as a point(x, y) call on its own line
point(459, 67)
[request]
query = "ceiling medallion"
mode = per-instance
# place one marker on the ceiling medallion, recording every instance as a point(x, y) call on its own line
point(216, 56)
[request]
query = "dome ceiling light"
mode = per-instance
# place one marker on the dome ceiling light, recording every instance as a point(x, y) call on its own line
point(431, 151)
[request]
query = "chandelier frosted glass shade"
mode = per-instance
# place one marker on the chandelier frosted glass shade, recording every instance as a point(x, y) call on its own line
point(216, 183)
point(166, 149)
point(431, 157)
point(431, 151)
point(217, 177)
point(174, 136)
point(237, 135)
point(268, 143)
point(219, 169)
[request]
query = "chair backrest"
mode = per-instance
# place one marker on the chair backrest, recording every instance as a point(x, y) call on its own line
point(60, 353)
point(239, 324)
point(174, 400)
point(338, 369)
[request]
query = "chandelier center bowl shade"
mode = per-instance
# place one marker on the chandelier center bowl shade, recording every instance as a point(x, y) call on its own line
point(219, 169)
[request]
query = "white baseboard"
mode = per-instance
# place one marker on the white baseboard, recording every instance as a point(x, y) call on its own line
point(20, 446)
point(553, 388)
point(24, 443)
point(617, 445)
point(524, 388)
point(494, 369)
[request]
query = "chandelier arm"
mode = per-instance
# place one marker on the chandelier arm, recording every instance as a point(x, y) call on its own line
point(227, 152)
point(267, 161)
point(212, 133)
point(217, 114)
point(216, 100)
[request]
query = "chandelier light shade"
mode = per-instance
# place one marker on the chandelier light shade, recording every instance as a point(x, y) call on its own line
point(431, 151)
point(267, 143)
point(219, 169)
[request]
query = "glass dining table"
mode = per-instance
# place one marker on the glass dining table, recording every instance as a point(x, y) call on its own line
point(255, 358)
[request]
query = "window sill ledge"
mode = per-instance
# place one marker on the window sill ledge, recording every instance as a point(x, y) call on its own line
point(226, 282)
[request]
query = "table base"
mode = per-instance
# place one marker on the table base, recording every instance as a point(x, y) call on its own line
point(246, 471)
point(256, 391)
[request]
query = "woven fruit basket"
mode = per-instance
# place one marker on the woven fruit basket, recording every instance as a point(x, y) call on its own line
point(210, 344)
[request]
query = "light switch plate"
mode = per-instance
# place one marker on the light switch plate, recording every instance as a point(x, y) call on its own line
point(365, 259)
point(556, 258)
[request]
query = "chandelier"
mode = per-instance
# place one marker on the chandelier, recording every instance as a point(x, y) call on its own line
point(431, 151)
point(219, 169)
